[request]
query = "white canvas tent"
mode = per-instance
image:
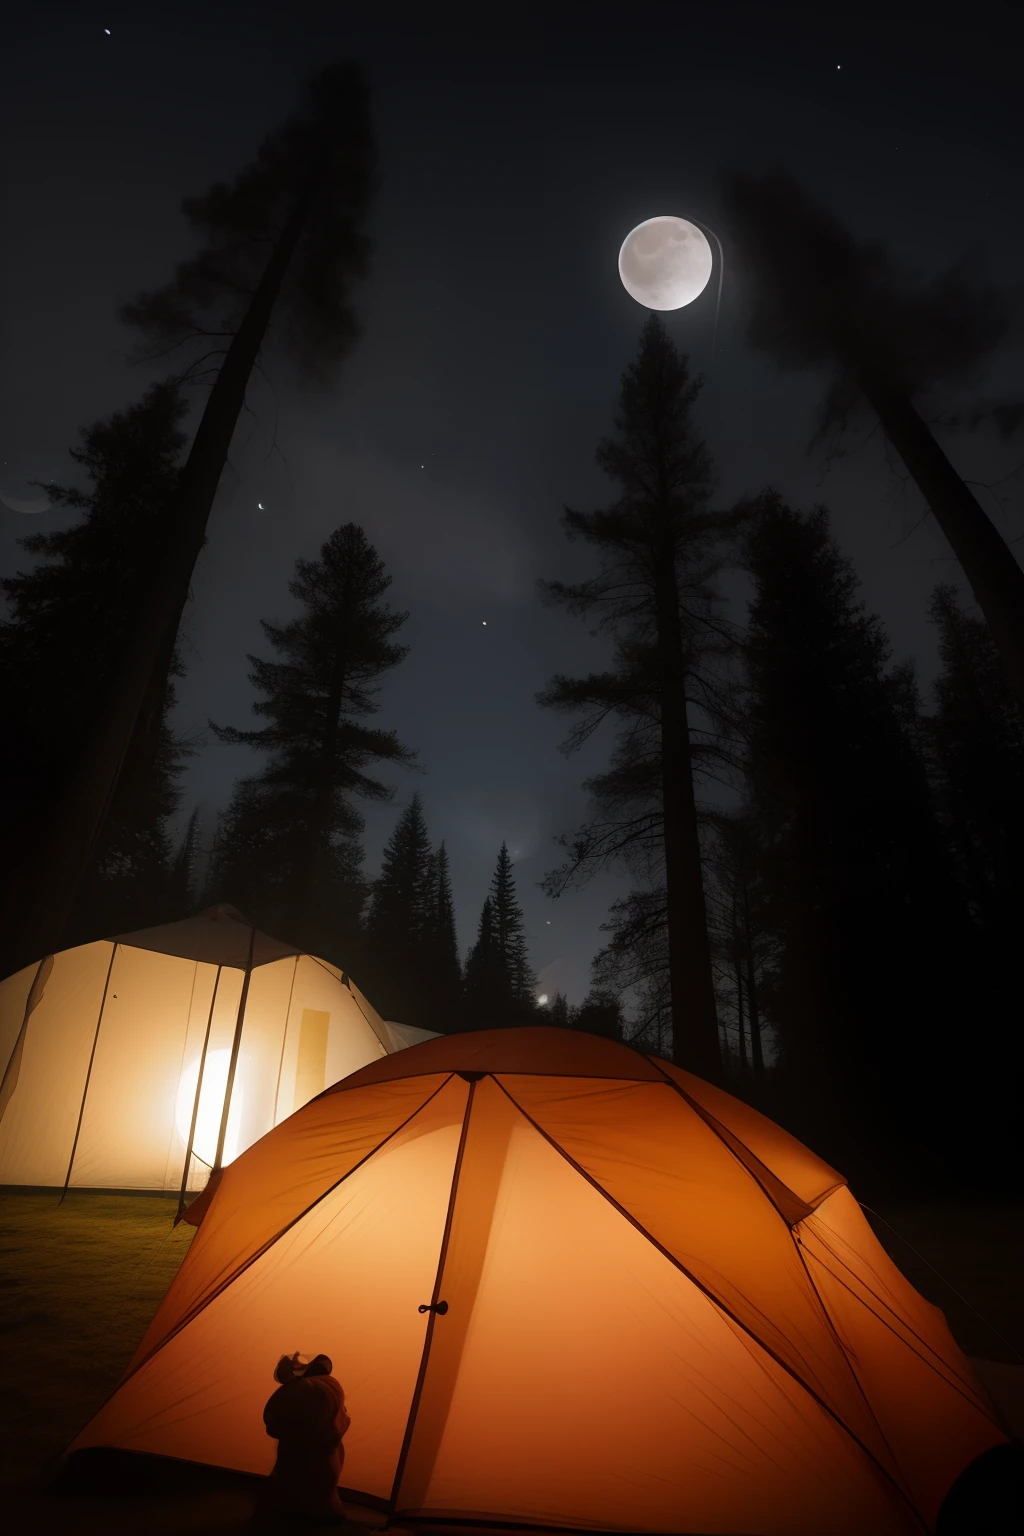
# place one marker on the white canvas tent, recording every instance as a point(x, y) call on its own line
point(117, 1056)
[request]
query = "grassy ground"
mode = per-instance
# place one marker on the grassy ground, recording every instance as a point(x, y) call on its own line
point(80, 1281)
point(78, 1284)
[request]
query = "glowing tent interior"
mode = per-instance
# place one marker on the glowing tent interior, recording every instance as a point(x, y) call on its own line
point(117, 1055)
point(563, 1285)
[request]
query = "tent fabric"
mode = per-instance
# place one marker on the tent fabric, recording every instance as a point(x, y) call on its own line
point(110, 1049)
point(558, 1293)
point(401, 1035)
point(218, 936)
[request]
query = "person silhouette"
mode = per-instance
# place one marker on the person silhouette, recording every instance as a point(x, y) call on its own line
point(306, 1416)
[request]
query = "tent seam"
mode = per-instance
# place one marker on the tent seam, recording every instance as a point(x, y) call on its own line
point(345, 978)
point(410, 1424)
point(715, 1301)
point(710, 1121)
point(849, 1362)
point(265, 1247)
point(956, 1383)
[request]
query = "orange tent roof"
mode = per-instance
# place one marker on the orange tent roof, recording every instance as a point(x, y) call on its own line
point(563, 1284)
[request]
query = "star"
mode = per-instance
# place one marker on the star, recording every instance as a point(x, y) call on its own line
point(484, 623)
point(107, 31)
point(259, 506)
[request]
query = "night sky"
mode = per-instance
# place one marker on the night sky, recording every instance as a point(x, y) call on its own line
point(514, 159)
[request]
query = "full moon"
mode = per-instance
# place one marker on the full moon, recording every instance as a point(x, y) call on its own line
point(665, 263)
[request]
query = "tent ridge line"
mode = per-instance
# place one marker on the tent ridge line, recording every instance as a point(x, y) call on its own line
point(833, 1329)
point(956, 1382)
point(346, 1085)
point(355, 999)
point(410, 1423)
point(716, 1302)
point(715, 1127)
point(194, 1311)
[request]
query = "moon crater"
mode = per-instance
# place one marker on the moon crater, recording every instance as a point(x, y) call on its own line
point(665, 263)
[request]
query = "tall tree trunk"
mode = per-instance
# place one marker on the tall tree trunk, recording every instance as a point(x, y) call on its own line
point(38, 898)
point(753, 1012)
point(987, 561)
point(695, 1042)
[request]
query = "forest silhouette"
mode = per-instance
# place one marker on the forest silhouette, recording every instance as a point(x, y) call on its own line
point(823, 862)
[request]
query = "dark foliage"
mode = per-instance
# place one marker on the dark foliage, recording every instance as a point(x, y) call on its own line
point(659, 548)
point(498, 979)
point(68, 617)
point(977, 739)
point(819, 297)
point(291, 836)
point(892, 343)
point(400, 922)
point(280, 244)
point(322, 162)
point(875, 965)
point(443, 973)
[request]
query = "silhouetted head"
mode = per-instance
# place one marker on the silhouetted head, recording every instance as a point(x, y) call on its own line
point(291, 1366)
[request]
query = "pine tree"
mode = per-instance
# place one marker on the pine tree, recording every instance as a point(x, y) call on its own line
point(635, 961)
point(69, 616)
point(659, 548)
point(743, 950)
point(298, 819)
point(444, 998)
point(600, 1013)
point(874, 950)
point(488, 1000)
point(558, 1014)
point(400, 922)
point(510, 937)
point(283, 240)
point(185, 867)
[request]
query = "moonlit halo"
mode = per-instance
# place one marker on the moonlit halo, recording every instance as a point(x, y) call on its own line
point(665, 262)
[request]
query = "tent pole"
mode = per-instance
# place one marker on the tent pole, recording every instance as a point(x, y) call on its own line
point(435, 1306)
point(195, 1106)
point(284, 1041)
point(88, 1075)
point(235, 1043)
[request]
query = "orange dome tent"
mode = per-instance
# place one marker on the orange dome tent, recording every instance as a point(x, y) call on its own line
point(563, 1285)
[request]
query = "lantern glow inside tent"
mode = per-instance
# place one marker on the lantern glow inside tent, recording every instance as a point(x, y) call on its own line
point(564, 1285)
point(117, 1055)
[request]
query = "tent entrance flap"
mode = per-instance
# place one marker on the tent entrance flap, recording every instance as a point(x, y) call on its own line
point(489, 1133)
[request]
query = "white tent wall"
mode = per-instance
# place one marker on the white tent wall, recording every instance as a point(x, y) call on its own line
point(38, 1126)
point(128, 1045)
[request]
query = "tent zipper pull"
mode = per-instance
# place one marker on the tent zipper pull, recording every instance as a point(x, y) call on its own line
point(440, 1307)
